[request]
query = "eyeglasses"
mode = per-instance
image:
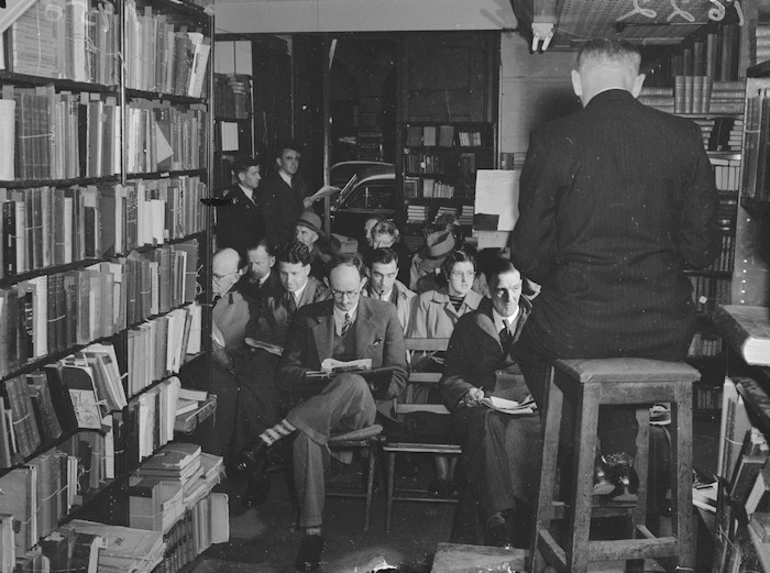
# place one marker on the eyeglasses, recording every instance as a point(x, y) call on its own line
point(341, 294)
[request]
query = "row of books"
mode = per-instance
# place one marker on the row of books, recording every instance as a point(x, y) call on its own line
point(706, 398)
point(51, 313)
point(232, 96)
point(158, 347)
point(709, 292)
point(742, 463)
point(756, 172)
point(696, 94)
point(441, 136)
point(702, 346)
point(727, 173)
point(510, 161)
point(59, 135)
point(82, 42)
point(45, 226)
point(165, 137)
point(162, 56)
point(427, 188)
point(724, 262)
point(714, 54)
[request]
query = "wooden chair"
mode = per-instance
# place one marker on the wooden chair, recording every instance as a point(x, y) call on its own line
point(400, 444)
point(368, 440)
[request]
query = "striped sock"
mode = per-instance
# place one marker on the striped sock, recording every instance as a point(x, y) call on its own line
point(280, 430)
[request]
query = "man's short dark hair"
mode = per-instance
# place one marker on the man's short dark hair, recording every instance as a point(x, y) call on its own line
point(242, 164)
point(383, 256)
point(293, 252)
point(265, 244)
point(347, 260)
point(609, 50)
point(496, 267)
point(288, 144)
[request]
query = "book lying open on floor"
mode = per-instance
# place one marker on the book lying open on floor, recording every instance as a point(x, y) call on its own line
point(526, 406)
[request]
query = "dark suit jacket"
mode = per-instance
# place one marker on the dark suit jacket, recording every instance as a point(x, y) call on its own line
point(475, 355)
point(615, 202)
point(281, 206)
point(378, 335)
point(272, 286)
point(239, 223)
point(273, 317)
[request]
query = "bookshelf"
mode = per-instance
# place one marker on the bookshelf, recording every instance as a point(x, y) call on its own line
point(104, 287)
point(742, 535)
point(438, 171)
point(233, 124)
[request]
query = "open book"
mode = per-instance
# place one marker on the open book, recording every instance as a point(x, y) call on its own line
point(526, 406)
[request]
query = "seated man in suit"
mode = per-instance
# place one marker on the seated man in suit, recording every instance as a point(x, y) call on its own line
point(383, 265)
point(261, 278)
point(477, 364)
point(266, 333)
point(349, 327)
point(230, 316)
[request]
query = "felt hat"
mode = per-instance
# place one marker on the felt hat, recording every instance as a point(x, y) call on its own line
point(340, 245)
point(437, 246)
point(310, 220)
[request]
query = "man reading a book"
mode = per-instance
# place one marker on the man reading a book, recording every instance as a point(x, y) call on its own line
point(500, 455)
point(348, 327)
point(616, 201)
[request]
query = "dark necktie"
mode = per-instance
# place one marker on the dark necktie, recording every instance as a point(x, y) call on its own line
point(345, 325)
point(291, 304)
point(506, 338)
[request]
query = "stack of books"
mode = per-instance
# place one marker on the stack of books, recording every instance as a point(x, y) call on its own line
point(763, 43)
point(416, 213)
point(124, 548)
point(232, 96)
point(466, 215)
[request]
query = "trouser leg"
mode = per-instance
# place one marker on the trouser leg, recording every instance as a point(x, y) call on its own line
point(345, 404)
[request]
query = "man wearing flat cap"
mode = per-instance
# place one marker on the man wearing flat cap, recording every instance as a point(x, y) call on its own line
point(307, 230)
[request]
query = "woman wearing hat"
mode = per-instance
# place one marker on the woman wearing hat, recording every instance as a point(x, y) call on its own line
point(434, 316)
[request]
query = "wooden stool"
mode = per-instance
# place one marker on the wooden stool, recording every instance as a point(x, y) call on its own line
point(367, 439)
point(615, 381)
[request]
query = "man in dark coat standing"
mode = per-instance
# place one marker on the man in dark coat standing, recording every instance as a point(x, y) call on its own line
point(239, 221)
point(500, 456)
point(616, 201)
point(284, 195)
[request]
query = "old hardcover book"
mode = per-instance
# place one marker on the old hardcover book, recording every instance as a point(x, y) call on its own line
point(18, 489)
point(746, 329)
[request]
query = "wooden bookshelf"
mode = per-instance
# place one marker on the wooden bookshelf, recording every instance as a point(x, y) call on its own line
point(105, 246)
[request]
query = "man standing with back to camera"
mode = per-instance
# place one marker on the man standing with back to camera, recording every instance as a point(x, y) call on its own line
point(617, 200)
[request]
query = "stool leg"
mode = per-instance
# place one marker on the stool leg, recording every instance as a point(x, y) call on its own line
point(681, 475)
point(641, 464)
point(391, 488)
point(553, 401)
point(587, 415)
point(369, 489)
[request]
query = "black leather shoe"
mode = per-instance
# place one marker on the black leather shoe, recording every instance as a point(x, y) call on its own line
point(497, 535)
point(251, 463)
point(602, 483)
point(309, 555)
